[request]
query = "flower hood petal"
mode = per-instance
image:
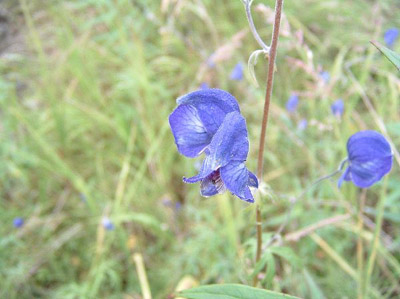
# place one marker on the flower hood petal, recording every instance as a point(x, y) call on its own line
point(236, 179)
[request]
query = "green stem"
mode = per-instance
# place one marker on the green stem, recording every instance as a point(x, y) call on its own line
point(268, 94)
point(375, 241)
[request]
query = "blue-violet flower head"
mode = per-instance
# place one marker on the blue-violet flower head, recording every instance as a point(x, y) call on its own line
point(292, 103)
point(369, 157)
point(18, 222)
point(390, 37)
point(325, 76)
point(204, 85)
point(209, 122)
point(337, 107)
point(237, 72)
point(107, 224)
point(302, 125)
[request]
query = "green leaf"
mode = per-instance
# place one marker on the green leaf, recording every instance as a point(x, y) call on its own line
point(231, 291)
point(258, 267)
point(288, 254)
point(391, 55)
point(316, 292)
point(269, 275)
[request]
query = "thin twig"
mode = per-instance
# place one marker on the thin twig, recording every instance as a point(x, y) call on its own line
point(295, 236)
point(141, 271)
point(270, 80)
point(247, 5)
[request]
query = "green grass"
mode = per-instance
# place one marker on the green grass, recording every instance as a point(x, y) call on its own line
point(84, 113)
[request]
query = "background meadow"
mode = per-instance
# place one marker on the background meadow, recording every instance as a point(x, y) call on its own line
point(86, 88)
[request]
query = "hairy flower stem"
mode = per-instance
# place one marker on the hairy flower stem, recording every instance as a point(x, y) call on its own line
point(268, 93)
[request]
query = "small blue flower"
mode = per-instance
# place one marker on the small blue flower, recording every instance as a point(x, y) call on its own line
point(369, 157)
point(325, 76)
point(337, 107)
point(390, 37)
point(209, 122)
point(292, 103)
point(204, 85)
point(302, 125)
point(237, 72)
point(18, 222)
point(107, 224)
point(178, 205)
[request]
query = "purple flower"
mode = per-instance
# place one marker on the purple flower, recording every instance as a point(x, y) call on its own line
point(292, 103)
point(391, 36)
point(209, 122)
point(369, 157)
point(302, 125)
point(18, 222)
point(237, 72)
point(325, 76)
point(204, 85)
point(107, 224)
point(178, 205)
point(337, 107)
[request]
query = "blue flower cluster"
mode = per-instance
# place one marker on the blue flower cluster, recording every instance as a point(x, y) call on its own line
point(209, 121)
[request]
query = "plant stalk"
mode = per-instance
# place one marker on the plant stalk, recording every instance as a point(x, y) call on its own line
point(268, 94)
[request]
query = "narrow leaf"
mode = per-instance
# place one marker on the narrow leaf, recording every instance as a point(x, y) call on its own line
point(270, 273)
point(231, 291)
point(288, 254)
point(391, 55)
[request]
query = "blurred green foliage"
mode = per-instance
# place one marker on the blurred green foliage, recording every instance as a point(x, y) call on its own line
point(85, 95)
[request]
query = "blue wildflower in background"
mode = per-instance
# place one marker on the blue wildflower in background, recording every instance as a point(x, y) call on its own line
point(292, 103)
point(237, 72)
point(369, 159)
point(209, 122)
point(107, 224)
point(337, 107)
point(390, 37)
point(325, 76)
point(204, 85)
point(18, 222)
point(302, 125)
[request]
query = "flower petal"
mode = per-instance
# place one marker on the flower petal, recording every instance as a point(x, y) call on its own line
point(345, 177)
point(370, 158)
point(230, 143)
point(367, 145)
point(236, 179)
point(191, 136)
point(212, 106)
point(367, 173)
point(253, 181)
point(212, 184)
